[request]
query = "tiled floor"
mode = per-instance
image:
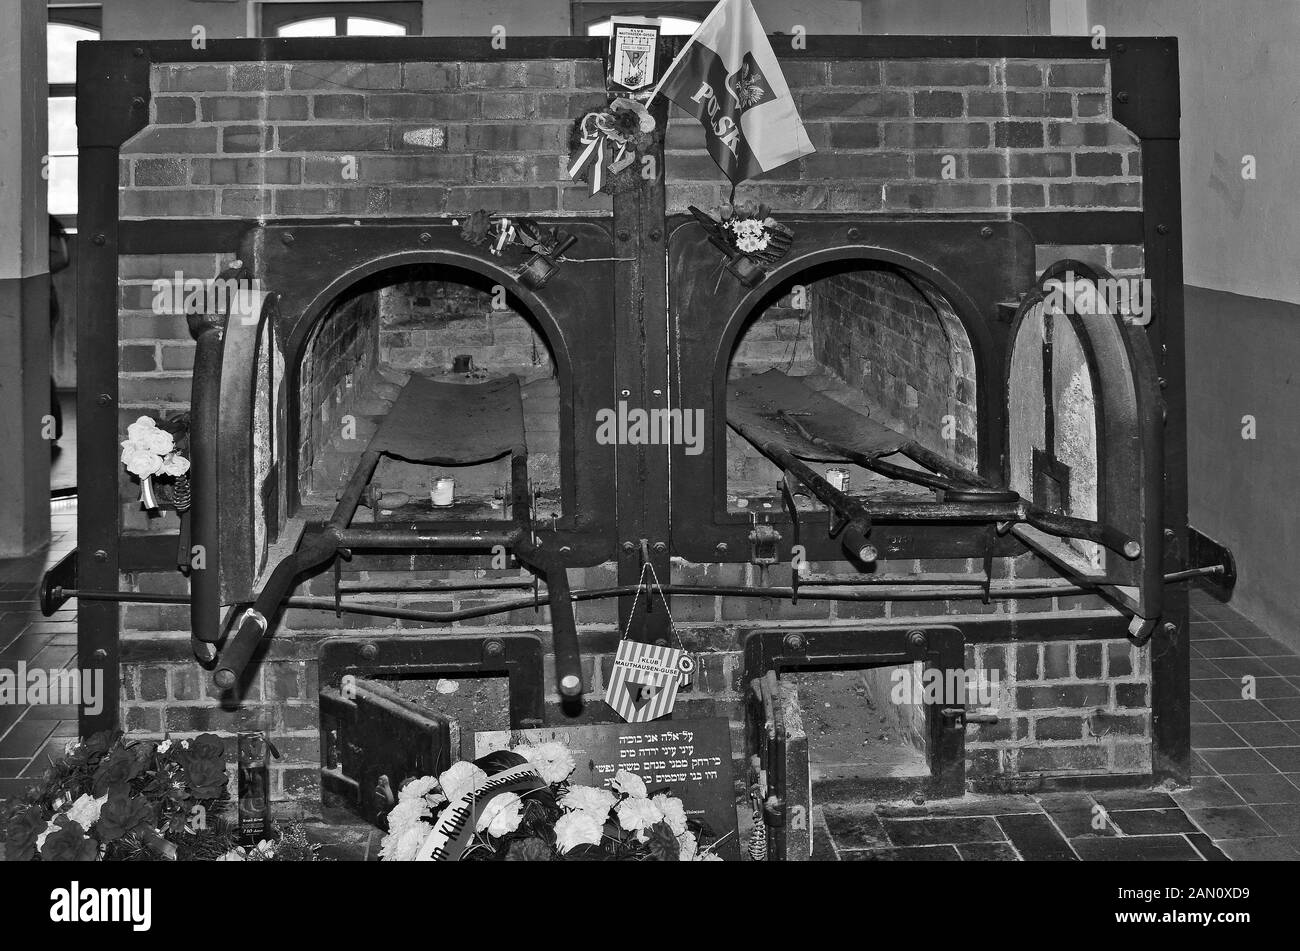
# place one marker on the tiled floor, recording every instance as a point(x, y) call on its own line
point(28, 735)
point(1244, 802)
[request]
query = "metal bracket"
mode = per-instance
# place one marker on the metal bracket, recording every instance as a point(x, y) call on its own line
point(763, 544)
point(796, 556)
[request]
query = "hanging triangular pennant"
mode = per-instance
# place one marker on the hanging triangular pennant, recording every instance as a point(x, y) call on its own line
point(644, 681)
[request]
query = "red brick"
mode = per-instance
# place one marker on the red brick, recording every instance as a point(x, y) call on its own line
point(229, 108)
point(500, 105)
point(1061, 758)
point(921, 72)
point(1036, 104)
point(428, 76)
point(1104, 723)
point(1089, 105)
point(947, 104)
point(854, 135)
point(253, 77)
point(1078, 74)
point(1098, 164)
point(421, 200)
point(1071, 696)
point(850, 165)
point(246, 138)
point(1040, 164)
point(169, 110)
point(161, 171)
point(335, 76)
point(940, 195)
point(177, 358)
point(1058, 728)
point(855, 72)
point(192, 78)
point(1018, 135)
point(147, 720)
point(168, 202)
point(1088, 134)
point(836, 105)
point(338, 107)
point(503, 199)
point(246, 202)
point(513, 137)
point(172, 141)
point(1090, 195)
point(936, 135)
point(286, 107)
point(524, 73)
point(1130, 696)
point(417, 168)
point(333, 138)
point(1024, 74)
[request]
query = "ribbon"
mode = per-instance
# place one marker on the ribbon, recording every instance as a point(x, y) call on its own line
point(593, 140)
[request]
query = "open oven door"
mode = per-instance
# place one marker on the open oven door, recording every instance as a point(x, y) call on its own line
point(373, 740)
point(237, 447)
point(1085, 430)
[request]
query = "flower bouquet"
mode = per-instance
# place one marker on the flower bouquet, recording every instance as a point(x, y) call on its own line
point(519, 806)
point(150, 450)
point(117, 799)
point(625, 127)
point(750, 229)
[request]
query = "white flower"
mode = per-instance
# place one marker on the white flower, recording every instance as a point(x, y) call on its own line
point(462, 778)
point(85, 811)
point(405, 847)
point(418, 788)
point(576, 828)
point(174, 464)
point(159, 441)
point(553, 760)
point(71, 747)
point(141, 462)
point(629, 783)
point(673, 810)
point(137, 431)
point(40, 839)
point(501, 815)
point(635, 815)
point(234, 855)
point(164, 746)
point(185, 744)
point(403, 821)
point(589, 799)
point(687, 846)
point(405, 814)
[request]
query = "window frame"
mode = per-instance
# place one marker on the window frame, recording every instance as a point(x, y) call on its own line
point(409, 13)
point(87, 17)
point(586, 12)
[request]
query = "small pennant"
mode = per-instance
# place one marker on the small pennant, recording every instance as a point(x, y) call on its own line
point(643, 684)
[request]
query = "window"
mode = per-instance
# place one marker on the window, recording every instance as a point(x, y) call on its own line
point(676, 17)
point(67, 27)
point(342, 19)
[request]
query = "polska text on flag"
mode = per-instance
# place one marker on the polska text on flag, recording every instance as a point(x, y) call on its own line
point(728, 77)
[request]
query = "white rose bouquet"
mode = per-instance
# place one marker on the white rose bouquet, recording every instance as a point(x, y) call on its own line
point(150, 451)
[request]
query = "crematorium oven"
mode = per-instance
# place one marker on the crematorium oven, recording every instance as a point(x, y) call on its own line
point(463, 425)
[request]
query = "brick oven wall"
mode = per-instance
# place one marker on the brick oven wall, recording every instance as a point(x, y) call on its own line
point(913, 363)
point(359, 140)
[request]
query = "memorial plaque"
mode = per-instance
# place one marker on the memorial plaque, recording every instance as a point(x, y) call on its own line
point(692, 758)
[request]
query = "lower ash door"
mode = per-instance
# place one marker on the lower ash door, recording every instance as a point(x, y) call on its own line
point(372, 741)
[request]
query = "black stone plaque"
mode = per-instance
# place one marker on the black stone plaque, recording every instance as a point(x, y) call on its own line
point(689, 758)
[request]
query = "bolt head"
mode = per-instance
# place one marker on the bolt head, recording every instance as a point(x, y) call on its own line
point(369, 651)
point(494, 648)
point(794, 642)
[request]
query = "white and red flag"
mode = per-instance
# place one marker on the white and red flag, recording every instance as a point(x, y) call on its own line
point(728, 77)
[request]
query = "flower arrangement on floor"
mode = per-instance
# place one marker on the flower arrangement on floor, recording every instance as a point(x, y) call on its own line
point(118, 799)
point(151, 451)
point(524, 809)
point(750, 229)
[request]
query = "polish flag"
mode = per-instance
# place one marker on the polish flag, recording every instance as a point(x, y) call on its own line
point(728, 77)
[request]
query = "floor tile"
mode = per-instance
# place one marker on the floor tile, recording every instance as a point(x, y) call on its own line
point(1284, 820)
point(1208, 791)
point(1262, 849)
point(1216, 736)
point(1146, 848)
point(1209, 851)
point(1237, 762)
point(988, 852)
point(855, 828)
point(918, 853)
point(1285, 758)
point(1037, 839)
point(938, 831)
point(1230, 822)
point(1266, 734)
point(1265, 788)
point(1134, 799)
point(1152, 821)
point(1244, 711)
